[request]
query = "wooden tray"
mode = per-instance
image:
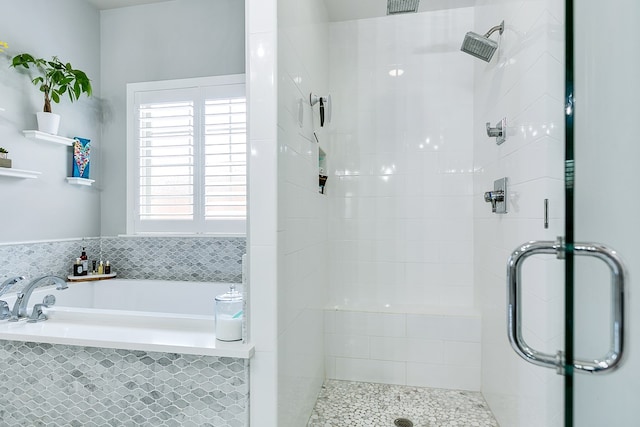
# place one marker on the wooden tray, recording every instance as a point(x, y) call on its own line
point(90, 277)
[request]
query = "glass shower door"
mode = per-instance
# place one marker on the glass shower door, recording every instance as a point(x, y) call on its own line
point(603, 205)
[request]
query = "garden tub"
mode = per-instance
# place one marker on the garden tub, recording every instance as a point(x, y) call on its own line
point(147, 315)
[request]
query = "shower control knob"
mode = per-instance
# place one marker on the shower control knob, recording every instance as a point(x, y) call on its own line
point(499, 132)
point(494, 197)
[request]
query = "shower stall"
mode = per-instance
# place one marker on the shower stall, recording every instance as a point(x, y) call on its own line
point(397, 273)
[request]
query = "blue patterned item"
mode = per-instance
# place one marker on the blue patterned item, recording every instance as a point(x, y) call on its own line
point(81, 150)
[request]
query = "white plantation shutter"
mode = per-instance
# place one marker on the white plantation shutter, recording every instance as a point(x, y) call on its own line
point(188, 156)
point(225, 158)
point(166, 161)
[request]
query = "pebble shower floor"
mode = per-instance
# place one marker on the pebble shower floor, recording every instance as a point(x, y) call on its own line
point(357, 404)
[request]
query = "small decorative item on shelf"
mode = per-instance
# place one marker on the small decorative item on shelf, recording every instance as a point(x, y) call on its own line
point(81, 151)
point(4, 161)
point(54, 80)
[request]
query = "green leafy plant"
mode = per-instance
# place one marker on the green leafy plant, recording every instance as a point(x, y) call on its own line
point(3, 150)
point(55, 78)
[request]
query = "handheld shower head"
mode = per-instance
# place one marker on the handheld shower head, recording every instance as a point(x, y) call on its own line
point(481, 47)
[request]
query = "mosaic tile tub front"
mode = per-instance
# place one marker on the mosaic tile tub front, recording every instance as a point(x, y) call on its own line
point(59, 385)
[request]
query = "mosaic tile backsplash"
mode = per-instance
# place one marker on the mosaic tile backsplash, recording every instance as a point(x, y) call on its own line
point(59, 385)
point(205, 259)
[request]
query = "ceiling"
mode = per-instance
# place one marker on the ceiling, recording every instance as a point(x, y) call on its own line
point(114, 4)
point(339, 10)
point(346, 10)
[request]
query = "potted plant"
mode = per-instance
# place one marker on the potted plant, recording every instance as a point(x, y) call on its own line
point(4, 162)
point(56, 78)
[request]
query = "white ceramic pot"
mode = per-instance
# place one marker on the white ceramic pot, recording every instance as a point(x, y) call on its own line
point(48, 122)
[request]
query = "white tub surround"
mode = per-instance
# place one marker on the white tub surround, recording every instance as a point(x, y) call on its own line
point(161, 316)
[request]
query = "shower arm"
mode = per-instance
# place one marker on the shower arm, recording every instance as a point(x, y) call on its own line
point(496, 28)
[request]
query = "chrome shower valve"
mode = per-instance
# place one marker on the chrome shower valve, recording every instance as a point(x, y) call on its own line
point(494, 197)
point(498, 197)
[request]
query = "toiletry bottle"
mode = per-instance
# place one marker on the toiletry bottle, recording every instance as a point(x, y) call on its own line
point(107, 268)
point(100, 268)
point(77, 267)
point(84, 261)
point(94, 267)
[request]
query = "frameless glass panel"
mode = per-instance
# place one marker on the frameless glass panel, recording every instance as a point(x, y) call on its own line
point(607, 201)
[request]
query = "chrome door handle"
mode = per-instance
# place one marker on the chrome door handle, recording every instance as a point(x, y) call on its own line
point(612, 358)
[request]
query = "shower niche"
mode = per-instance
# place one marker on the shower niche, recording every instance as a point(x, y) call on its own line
point(322, 170)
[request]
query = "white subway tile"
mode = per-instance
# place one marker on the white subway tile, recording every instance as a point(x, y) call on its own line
point(457, 328)
point(462, 353)
point(330, 367)
point(425, 351)
point(356, 346)
point(457, 296)
point(389, 348)
point(373, 324)
point(442, 376)
point(380, 371)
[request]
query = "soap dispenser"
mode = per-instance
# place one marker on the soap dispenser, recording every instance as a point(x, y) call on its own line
point(85, 261)
point(229, 314)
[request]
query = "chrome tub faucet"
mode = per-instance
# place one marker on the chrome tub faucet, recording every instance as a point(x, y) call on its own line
point(19, 310)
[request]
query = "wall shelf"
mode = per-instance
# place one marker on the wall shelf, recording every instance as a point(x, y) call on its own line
point(80, 181)
point(18, 173)
point(35, 134)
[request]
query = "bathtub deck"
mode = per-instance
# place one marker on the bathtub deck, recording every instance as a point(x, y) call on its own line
point(347, 403)
point(95, 332)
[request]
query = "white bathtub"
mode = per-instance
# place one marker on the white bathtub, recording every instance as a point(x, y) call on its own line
point(148, 315)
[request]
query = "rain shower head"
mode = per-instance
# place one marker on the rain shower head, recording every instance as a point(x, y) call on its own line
point(402, 6)
point(481, 47)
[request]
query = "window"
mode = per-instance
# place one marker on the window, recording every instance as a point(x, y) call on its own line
point(187, 156)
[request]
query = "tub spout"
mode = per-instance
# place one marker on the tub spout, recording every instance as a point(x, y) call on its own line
point(19, 310)
point(5, 313)
point(8, 284)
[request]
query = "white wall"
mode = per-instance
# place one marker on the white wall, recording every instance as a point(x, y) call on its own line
point(523, 82)
point(303, 67)
point(169, 40)
point(48, 207)
point(261, 57)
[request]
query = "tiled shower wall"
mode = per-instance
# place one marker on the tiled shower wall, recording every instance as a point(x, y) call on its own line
point(303, 68)
point(401, 195)
point(401, 161)
point(205, 259)
point(524, 83)
point(46, 385)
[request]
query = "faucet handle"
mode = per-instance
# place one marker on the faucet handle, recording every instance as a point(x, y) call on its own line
point(15, 312)
point(5, 312)
point(38, 315)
